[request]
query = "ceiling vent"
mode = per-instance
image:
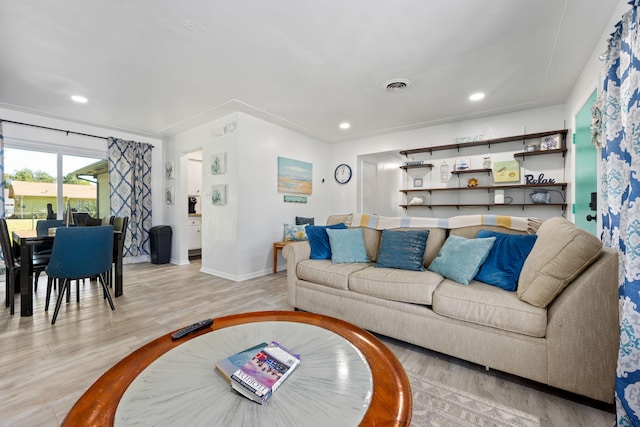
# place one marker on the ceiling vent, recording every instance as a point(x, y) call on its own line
point(397, 85)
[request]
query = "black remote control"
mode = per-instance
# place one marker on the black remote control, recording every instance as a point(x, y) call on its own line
point(191, 328)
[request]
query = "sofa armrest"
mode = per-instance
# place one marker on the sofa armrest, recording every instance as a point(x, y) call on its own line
point(294, 253)
point(583, 331)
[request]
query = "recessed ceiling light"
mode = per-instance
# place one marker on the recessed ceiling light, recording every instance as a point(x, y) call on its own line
point(79, 99)
point(397, 85)
point(345, 125)
point(476, 96)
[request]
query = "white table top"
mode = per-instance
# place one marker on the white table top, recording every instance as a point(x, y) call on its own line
point(332, 386)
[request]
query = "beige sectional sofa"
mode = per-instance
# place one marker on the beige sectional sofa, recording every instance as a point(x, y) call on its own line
point(559, 328)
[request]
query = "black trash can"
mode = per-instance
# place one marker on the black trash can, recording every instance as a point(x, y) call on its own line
point(160, 237)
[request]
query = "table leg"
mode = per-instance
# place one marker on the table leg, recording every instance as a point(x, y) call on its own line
point(275, 258)
point(26, 280)
point(118, 267)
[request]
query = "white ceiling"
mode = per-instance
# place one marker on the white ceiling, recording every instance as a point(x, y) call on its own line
point(157, 67)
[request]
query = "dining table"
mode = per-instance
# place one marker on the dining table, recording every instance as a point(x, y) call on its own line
point(25, 240)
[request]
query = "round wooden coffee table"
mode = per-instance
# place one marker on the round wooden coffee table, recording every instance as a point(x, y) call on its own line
point(347, 377)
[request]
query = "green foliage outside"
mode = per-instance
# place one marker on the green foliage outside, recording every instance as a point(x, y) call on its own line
point(30, 175)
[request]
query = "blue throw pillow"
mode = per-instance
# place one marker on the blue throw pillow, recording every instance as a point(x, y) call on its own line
point(402, 249)
point(505, 260)
point(319, 240)
point(347, 245)
point(460, 259)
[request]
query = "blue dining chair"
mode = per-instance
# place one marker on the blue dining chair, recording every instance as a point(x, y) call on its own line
point(79, 252)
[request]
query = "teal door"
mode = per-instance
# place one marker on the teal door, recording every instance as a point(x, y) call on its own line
point(586, 170)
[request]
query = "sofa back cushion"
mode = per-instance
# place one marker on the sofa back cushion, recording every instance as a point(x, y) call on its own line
point(561, 252)
point(337, 219)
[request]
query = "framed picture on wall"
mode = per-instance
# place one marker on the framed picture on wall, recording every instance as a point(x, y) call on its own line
point(219, 194)
point(169, 195)
point(294, 176)
point(170, 170)
point(462, 164)
point(417, 182)
point(550, 142)
point(218, 163)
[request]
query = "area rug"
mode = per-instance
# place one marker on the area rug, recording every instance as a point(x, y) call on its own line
point(436, 404)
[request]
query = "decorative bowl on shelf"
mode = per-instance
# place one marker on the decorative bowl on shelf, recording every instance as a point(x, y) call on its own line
point(540, 197)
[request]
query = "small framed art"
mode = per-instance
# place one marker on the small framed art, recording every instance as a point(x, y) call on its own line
point(550, 142)
point(219, 194)
point(508, 171)
point(417, 182)
point(462, 164)
point(170, 195)
point(170, 170)
point(218, 164)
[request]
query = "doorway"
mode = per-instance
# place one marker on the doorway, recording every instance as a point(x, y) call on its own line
point(585, 170)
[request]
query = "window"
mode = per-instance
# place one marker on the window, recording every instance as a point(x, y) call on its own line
point(36, 179)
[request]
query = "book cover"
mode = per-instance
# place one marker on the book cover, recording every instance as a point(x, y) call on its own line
point(226, 367)
point(258, 378)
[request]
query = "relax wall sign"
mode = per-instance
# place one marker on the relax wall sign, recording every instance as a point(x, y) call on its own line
point(530, 179)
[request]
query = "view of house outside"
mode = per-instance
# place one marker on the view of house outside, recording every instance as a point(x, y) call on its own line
point(31, 189)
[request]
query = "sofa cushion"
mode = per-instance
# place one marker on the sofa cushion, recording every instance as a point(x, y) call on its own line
point(414, 287)
point(402, 249)
point(294, 232)
point(561, 252)
point(324, 272)
point(505, 260)
point(319, 240)
point(488, 305)
point(460, 258)
point(347, 245)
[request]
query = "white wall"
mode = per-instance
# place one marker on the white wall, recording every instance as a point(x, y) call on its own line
point(345, 198)
point(237, 238)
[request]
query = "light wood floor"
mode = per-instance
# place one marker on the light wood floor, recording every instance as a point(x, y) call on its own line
point(46, 368)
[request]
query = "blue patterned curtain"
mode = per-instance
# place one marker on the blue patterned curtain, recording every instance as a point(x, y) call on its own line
point(130, 188)
point(619, 121)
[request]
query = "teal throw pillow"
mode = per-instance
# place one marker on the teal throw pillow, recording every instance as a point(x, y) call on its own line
point(319, 240)
point(460, 259)
point(506, 258)
point(402, 249)
point(347, 245)
point(294, 232)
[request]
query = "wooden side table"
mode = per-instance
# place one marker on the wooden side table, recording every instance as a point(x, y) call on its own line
point(276, 247)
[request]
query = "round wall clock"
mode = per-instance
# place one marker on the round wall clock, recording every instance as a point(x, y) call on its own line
point(342, 173)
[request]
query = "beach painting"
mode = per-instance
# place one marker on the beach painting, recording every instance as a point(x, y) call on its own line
point(294, 176)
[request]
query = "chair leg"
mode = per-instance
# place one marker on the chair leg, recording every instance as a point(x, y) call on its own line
point(101, 278)
point(50, 284)
point(64, 286)
point(78, 290)
point(7, 283)
point(36, 276)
